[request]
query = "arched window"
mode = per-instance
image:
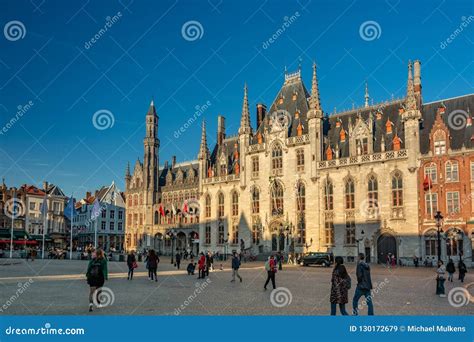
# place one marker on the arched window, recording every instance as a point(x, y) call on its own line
point(301, 229)
point(349, 194)
point(208, 206)
point(452, 171)
point(328, 196)
point(372, 191)
point(276, 194)
point(255, 200)
point(277, 159)
point(220, 205)
point(130, 201)
point(300, 197)
point(432, 172)
point(157, 217)
point(235, 203)
point(141, 199)
point(135, 200)
point(397, 189)
point(431, 243)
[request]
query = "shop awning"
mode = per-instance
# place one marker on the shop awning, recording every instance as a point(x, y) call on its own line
point(17, 234)
point(20, 242)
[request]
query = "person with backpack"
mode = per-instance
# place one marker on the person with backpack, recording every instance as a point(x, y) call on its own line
point(364, 286)
point(152, 261)
point(340, 285)
point(235, 267)
point(132, 264)
point(96, 275)
point(270, 267)
point(450, 268)
point(462, 270)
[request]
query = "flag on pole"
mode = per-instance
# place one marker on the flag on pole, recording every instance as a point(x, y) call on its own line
point(69, 210)
point(185, 207)
point(162, 212)
point(44, 207)
point(95, 209)
point(427, 184)
point(173, 209)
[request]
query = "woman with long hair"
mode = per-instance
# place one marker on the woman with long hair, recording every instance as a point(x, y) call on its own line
point(96, 274)
point(152, 262)
point(340, 285)
point(132, 264)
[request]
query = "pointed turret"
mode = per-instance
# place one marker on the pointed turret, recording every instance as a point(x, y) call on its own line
point(151, 109)
point(410, 100)
point(203, 150)
point(245, 119)
point(366, 94)
point(127, 171)
point(314, 99)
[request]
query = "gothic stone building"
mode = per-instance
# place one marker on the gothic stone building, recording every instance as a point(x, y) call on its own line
point(301, 181)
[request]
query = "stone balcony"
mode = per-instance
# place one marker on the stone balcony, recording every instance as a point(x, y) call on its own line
point(363, 159)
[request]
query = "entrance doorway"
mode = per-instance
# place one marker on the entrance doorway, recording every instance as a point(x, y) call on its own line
point(386, 244)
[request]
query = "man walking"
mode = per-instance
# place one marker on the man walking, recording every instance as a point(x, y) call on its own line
point(364, 285)
point(178, 260)
point(235, 267)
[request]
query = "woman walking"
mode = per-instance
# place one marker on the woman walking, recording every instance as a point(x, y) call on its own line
point(340, 285)
point(96, 274)
point(450, 269)
point(440, 273)
point(202, 266)
point(152, 262)
point(270, 267)
point(131, 263)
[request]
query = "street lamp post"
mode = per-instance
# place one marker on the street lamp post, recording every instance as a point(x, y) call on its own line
point(359, 240)
point(172, 235)
point(438, 218)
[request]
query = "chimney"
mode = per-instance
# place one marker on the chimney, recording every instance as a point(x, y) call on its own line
point(45, 185)
point(417, 76)
point(261, 111)
point(88, 194)
point(173, 161)
point(220, 129)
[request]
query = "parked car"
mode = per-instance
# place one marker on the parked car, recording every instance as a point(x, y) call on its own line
point(318, 258)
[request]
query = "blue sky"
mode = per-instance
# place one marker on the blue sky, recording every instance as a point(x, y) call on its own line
point(143, 54)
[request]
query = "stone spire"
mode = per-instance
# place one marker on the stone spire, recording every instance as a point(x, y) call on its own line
point(366, 94)
point(203, 150)
point(410, 100)
point(151, 109)
point(314, 99)
point(245, 119)
point(127, 171)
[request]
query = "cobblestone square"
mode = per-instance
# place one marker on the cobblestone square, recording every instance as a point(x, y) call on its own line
point(58, 287)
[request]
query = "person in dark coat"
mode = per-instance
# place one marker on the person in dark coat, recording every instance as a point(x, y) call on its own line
point(364, 286)
point(152, 263)
point(178, 260)
point(462, 270)
point(235, 267)
point(97, 273)
point(131, 263)
point(450, 269)
point(340, 284)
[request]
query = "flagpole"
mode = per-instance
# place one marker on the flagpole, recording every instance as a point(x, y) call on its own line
point(72, 222)
point(431, 196)
point(13, 221)
point(45, 213)
point(95, 234)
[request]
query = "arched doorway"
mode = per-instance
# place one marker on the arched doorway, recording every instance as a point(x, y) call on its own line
point(386, 244)
point(158, 243)
point(181, 241)
point(454, 243)
point(278, 237)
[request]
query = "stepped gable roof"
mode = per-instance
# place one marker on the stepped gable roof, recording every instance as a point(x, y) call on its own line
point(378, 115)
point(460, 131)
point(228, 148)
point(188, 168)
point(293, 85)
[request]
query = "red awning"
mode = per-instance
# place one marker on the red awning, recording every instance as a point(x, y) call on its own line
point(20, 242)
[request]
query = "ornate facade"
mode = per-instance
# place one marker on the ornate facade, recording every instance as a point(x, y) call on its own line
point(301, 181)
